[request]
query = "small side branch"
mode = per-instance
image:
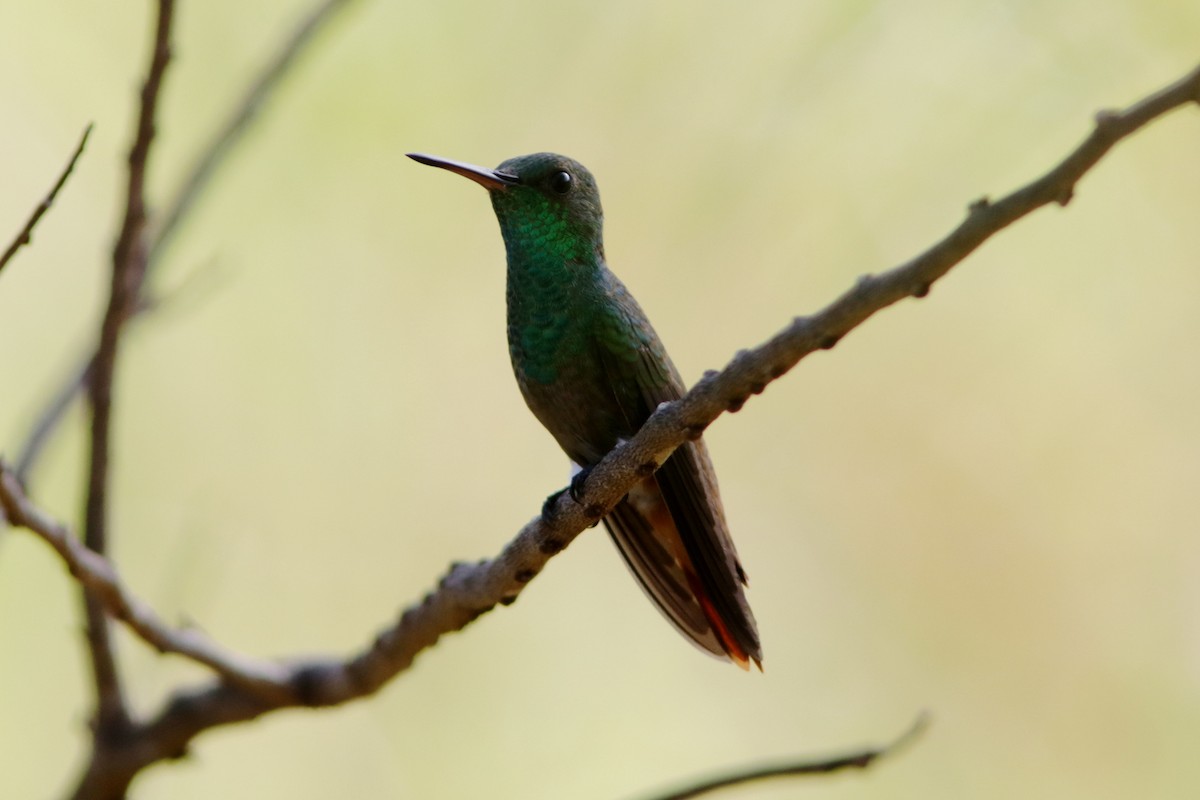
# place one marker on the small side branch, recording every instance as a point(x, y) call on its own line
point(861, 759)
point(51, 415)
point(257, 95)
point(191, 189)
point(26, 234)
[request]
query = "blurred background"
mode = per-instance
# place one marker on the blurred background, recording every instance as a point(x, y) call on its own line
point(981, 504)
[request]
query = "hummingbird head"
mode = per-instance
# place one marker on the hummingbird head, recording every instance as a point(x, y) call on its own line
point(546, 203)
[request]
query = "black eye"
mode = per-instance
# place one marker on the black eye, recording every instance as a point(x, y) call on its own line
point(561, 182)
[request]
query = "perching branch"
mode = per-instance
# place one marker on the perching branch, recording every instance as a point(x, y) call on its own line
point(128, 271)
point(26, 235)
point(811, 766)
point(191, 189)
point(245, 689)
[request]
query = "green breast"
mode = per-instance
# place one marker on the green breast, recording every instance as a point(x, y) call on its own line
point(574, 354)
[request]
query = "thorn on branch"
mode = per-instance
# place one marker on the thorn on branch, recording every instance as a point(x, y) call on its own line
point(978, 205)
point(475, 613)
point(829, 342)
point(1105, 119)
point(452, 574)
point(308, 684)
point(922, 290)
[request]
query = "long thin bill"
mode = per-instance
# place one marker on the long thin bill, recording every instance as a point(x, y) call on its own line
point(489, 179)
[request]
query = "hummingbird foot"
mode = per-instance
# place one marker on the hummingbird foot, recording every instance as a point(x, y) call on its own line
point(579, 483)
point(548, 505)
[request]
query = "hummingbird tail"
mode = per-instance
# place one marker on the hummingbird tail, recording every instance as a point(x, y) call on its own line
point(649, 540)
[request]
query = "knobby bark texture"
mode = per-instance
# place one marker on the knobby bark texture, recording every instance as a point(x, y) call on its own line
point(243, 687)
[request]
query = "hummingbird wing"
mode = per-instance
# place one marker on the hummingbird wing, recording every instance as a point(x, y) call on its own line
point(688, 484)
point(671, 527)
point(660, 572)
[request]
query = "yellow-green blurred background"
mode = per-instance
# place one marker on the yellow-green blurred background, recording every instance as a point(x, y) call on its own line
point(982, 504)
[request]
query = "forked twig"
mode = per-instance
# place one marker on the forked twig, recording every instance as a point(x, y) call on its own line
point(190, 190)
point(469, 590)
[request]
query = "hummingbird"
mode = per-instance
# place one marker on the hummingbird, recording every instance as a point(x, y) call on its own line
point(592, 370)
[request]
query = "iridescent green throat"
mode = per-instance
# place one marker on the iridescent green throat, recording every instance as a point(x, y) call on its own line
point(554, 261)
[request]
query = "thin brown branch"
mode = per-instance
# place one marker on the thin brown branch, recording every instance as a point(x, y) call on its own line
point(128, 270)
point(260, 91)
point(51, 416)
point(191, 189)
point(861, 759)
point(26, 234)
point(198, 282)
point(100, 577)
point(469, 590)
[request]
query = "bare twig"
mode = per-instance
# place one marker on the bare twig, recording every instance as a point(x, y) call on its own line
point(26, 234)
point(51, 415)
point(228, 135)
point(194, 284)
point(129, 269)
point(99, 575)
point(246, 690)
point(810, 766)
point(191, 189)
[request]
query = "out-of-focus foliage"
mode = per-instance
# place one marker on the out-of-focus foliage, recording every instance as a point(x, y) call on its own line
point(981, 504)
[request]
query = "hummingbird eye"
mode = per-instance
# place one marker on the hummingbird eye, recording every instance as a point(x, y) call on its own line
point(561, 182)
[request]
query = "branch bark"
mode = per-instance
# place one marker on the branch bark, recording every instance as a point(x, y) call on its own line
point(247, 689)
point(99, 576)
point(191, 189)
point(26, 235)
point(257, 95)
point(128, 270)
point(861, 759)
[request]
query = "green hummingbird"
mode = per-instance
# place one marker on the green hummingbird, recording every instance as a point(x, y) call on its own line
point(592, 370)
